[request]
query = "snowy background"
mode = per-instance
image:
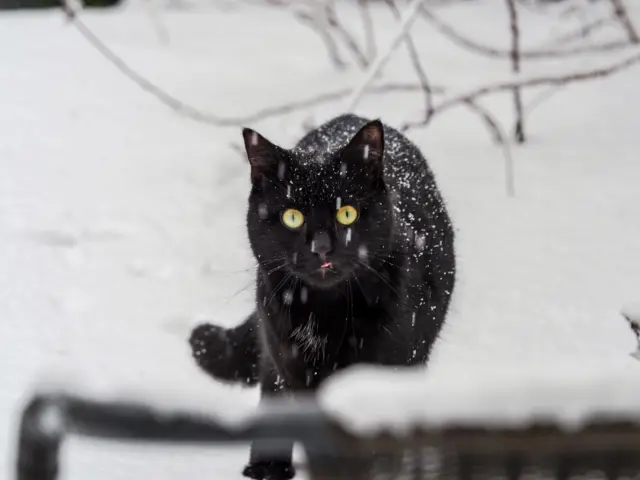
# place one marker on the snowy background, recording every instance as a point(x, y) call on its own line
point(122, 223)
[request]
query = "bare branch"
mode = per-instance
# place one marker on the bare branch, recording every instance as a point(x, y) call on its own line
point(492, 124)
point(583, 32)
point(542, 54)
point(381, 60)
point(620, 11)
point(348, 39)
point(417, 66)
point(324, 98)
point(558, 80)
point(515, 67)
point(323, 30)
point(634, 324)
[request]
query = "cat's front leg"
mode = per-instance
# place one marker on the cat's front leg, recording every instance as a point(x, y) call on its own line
point(263, 463)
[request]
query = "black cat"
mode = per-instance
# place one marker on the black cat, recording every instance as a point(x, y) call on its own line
point(356, 264)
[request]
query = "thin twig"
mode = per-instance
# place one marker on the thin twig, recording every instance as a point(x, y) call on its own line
point(543, 54)
point(382, 58)
point(620, 11)
point(515, 67)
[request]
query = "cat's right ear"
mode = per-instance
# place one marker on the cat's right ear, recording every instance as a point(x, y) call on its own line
point(262, 154)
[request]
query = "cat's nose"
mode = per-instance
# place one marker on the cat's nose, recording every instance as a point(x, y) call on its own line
point(321, 244)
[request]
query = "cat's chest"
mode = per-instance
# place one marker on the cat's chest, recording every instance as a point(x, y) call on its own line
point(321, 326)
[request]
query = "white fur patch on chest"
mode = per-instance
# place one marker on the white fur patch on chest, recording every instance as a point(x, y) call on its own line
point(312, 345)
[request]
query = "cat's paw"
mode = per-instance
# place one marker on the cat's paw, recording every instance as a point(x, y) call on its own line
point(269, 470)
point(209, 345)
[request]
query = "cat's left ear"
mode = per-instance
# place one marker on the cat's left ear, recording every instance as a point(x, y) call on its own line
point(264, 157)
point(367, 146)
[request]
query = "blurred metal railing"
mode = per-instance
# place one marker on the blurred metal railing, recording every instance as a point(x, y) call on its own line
point(40, 4)
point(602, 448)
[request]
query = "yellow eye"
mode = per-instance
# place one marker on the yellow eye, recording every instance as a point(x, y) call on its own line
point(292, 218)
point(347, 215)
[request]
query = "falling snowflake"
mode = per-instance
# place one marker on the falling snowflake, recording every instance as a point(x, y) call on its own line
point(263, 211)
point(287, 297)
point(363, 252)
point(304, 294)
point(347, 238)
point(338, 203)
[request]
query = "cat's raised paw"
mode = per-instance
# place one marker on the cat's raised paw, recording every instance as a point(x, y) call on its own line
point(269, 470)
point(209, 345)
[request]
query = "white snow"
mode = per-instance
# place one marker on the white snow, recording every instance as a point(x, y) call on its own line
point(122, 224)
point(363, 252)
point(568, 394)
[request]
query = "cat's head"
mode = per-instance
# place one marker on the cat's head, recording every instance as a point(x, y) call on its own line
point(321, 216)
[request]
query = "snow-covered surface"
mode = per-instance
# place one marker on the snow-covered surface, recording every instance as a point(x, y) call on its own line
point(122, 224)
point(367, 400)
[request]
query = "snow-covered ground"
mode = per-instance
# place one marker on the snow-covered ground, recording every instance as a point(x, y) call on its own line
point(122, 224)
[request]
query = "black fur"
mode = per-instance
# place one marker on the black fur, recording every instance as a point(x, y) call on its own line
point(384, 298)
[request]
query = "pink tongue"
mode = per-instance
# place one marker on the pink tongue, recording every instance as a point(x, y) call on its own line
point(326, 265)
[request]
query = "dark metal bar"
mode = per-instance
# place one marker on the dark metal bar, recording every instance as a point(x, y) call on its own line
point(47, 4)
